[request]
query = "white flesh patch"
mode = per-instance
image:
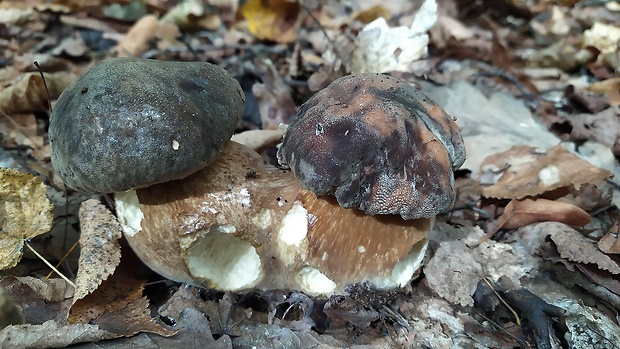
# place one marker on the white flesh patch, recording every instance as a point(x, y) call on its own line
point(314, 282)
point(128, 211)
point(292, 233)
point(226, 261)
point(403, 270)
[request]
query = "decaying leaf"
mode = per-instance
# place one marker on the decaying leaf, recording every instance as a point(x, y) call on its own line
point(522, 212)
point(117, 306)
point(25, 212)
point(380, 48)
point(192, 14)
point(100, 252)
point(40, 299)
point(610, 242)
point(28, 93)
point(524, 171)
point(453, 274)
point(274, 97)
point(137, 38)
point(52, 334)
point(573, 246)
point(275, 20)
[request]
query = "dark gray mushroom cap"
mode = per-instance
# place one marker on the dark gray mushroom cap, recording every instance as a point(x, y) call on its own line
point(377, 144)
point(130, 123)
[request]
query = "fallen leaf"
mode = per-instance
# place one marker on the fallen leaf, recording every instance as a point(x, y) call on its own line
point(100, 252)
point(381, 48)
point(28, 93)
point(52, 334)
point(525, 171)
point(25, 212)
point(575, 247)
point(192, 14)
point(275, 20)
point(137, 38)
point(604, 37)
point(274, 97)
point(527, 211)
point(610, 242)
point(370, 14)
point(40, 299)
point(610, 87)
point(118, 306)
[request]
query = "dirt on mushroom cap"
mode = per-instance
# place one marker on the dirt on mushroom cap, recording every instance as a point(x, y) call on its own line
point(129, 123)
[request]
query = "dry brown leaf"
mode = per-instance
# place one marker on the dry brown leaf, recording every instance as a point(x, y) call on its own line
point(40, 299)
point(526, 172)
point(52, 334)
point(25, 212)
point(100, 252)
point(370, 14)
point(192, 14)
point(523, 212)
point(276, 20)
point(20, 130)
point(573, 246)
point(117, 306)
point(137, 38)
point(274, 97)
point(610, 87)
point(610, 242)
point(28, 93)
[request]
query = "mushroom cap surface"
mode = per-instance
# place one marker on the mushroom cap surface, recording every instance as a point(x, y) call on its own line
point(378, 144)
point(130, 123)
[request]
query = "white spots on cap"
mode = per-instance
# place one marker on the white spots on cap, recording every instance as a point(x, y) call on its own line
point(324, 257)
point(346, 132)
point(319, 129)
point(241, 198)
point(175, 144)
point(263, 219)
point(361, 249)
point(549, 175)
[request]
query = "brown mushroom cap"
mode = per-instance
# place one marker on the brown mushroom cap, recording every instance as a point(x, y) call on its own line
point(377, 144)
point(129, 123)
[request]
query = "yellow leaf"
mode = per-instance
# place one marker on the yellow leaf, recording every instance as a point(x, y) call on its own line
point(25, 212)
point(276, 20)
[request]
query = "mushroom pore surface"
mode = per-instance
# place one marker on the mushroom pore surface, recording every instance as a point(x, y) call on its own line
point(377, 144)
point(130, 123)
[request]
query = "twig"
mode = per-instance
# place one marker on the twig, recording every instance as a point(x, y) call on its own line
point(64, 257)
point(49, 264)
point(504, 302)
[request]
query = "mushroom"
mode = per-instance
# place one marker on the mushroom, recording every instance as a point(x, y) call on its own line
point(244, 224)
point(129, 123)
point(230, 221)
point(377, 144)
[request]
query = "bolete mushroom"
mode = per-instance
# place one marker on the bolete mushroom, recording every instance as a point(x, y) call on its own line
point(377, 144)
point(130, 123)
point(242, 223)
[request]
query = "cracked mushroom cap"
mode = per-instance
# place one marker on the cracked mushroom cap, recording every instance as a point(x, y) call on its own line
point(378, 144)
point(130, 123)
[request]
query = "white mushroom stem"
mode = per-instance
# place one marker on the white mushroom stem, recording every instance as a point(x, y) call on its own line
point(241, 223)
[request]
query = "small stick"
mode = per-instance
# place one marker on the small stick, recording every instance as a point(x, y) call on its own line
point(63, 258)
point(49, 264)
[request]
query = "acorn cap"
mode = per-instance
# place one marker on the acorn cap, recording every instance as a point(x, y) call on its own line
point(378, 144)
point(130, 123)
